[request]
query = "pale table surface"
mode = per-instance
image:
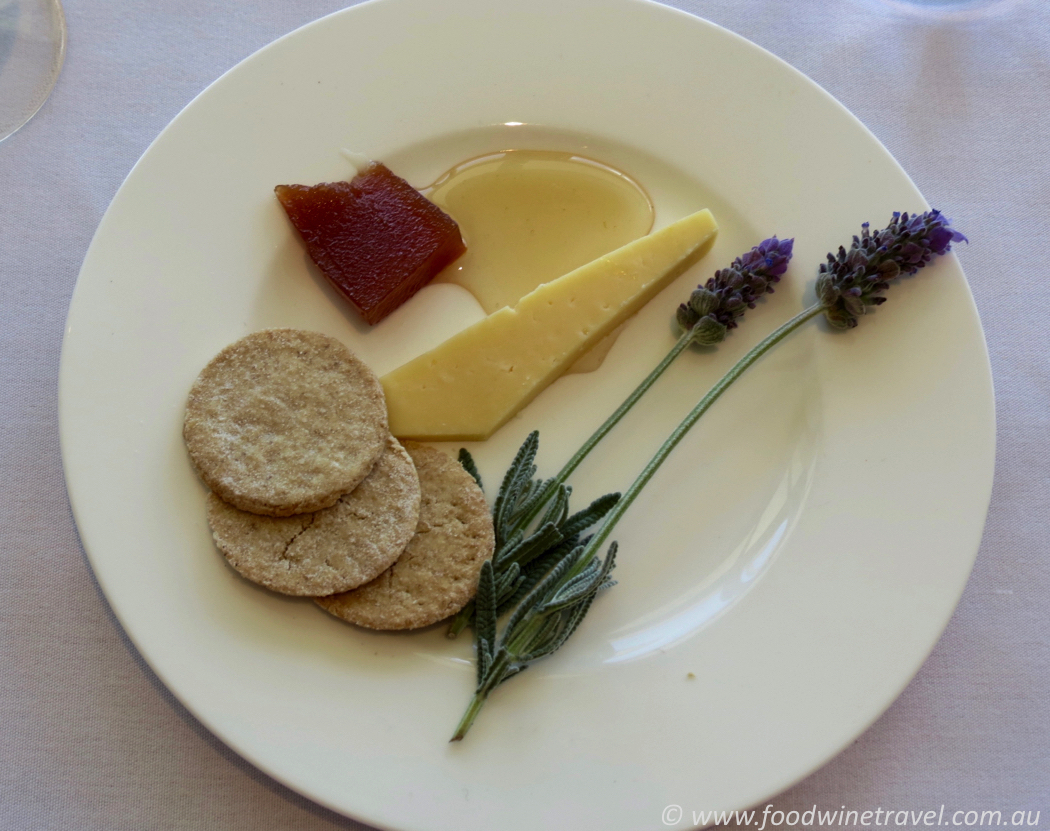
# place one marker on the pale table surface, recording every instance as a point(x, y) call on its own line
point(90, 739)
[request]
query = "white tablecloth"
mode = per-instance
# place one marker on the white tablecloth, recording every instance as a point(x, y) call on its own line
point(90, 739)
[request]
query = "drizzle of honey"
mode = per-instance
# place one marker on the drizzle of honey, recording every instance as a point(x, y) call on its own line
point(530, 216)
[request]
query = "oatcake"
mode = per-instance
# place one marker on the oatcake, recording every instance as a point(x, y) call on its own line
point(284, 422)
point(331, 550)
point(437, 574)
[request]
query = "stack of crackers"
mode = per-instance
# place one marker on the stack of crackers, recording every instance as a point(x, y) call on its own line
point(312, 496)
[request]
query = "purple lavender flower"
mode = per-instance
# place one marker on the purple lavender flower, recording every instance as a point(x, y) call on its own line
point(853, 280)
point(713, 309)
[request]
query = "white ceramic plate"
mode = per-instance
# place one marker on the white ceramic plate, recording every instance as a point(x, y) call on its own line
point(781, 579)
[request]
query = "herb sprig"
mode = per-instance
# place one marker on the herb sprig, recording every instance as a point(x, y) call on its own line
point(541, 622)
point(521, 559)
point(564, 586)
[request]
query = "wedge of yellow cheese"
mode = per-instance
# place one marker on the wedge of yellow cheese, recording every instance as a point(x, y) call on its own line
point(469, 386)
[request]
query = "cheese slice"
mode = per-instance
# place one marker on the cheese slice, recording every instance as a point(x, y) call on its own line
point(469, 386)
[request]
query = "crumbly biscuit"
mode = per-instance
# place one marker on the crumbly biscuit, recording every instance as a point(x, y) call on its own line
point(285, 422)
point(437, 574)
point(331, 550)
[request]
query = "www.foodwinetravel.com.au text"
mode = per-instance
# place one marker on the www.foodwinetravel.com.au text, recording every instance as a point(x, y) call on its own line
point(843, 817)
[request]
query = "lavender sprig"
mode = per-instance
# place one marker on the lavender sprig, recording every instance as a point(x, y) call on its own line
point(706, 318)
point(909, 242)
point(853, 280)
point(549, 613)
point(713, 308)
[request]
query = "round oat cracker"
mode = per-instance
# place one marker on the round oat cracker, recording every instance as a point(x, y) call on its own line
point(285, 422)
point(331, 550)
point(437, 574)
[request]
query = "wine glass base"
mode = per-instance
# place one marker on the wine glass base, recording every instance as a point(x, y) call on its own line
point(32, 48)
point(947, 8)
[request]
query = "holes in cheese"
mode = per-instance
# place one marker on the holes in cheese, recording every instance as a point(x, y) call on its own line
point(469, 386)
